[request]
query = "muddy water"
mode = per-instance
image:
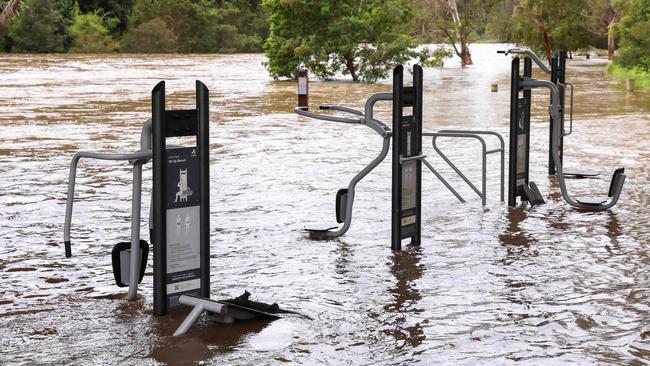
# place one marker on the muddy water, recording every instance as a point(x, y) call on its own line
point(545, 285)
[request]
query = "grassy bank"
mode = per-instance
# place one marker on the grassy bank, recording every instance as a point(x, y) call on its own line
point(641, 78)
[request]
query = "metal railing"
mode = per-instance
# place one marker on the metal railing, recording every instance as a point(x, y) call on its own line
point(485, 152)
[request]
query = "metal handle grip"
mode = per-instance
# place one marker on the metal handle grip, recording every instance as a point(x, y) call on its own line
point(303, 112)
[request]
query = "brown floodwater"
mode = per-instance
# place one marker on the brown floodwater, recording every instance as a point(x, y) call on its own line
point(542, 285)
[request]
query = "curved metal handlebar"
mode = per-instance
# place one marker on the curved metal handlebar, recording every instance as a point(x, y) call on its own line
point(571, 114)
point(340, 108)
point(531, 54)
point(304, 112)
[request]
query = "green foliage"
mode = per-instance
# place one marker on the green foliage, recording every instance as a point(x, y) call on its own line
point(562, 22)
point(640, 75)
point(40, 28)
point(153, 36)
point(362, 39)
point(204, 26)
point(633, 31)
point(118, 11)
point(90, 35)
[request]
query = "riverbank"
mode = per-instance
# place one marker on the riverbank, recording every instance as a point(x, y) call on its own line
point(641, 78)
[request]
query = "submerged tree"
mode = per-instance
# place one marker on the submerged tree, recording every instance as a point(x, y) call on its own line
point(362, 39)
point(548, 24)
point(457, 29)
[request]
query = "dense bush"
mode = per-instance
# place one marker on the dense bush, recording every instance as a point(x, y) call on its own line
point(38, 29)
point(153, 36)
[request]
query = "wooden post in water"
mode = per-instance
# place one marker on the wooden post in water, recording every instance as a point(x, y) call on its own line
point(495, 88)
point(303, 88)
point(630, 85)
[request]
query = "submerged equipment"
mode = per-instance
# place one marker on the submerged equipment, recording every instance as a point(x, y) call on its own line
point(518, 180)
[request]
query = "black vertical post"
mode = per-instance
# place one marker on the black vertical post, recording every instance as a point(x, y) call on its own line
point(514, 113)
point(407, 166)
point(528, 72)
point(519, 147)
point(558, 75)
point(158, 192)
point(181, 213)
point(203, 142)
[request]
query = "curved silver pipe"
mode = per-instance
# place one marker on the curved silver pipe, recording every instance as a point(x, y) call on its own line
point(555, 151)
point(353, 183)
point(137, 159)
point(304, 112)
point(525, 51)
point(142, 155)
point(370, 105)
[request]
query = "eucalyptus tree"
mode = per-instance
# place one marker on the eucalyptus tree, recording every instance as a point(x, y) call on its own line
point(363, 39)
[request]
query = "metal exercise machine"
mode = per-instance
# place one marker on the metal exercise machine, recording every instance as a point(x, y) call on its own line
point(128, 269)
point(407, 158)
point(557, 74)
point(179, 217)
point(519, 184)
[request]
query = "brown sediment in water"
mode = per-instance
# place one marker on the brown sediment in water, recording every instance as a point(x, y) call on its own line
point(489, 286)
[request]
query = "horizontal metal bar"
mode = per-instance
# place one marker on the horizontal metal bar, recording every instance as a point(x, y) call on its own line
point(417, 157)
point(493, 151)
point(341, 109)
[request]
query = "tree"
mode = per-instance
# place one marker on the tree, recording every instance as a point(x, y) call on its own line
point(38, 29)
point(633, 32)
point(9, 9)
point(601, 19)
point(548, 24)
point(120, 10)
point(203, 25)
point(457, 29)
point(153, 36)
point(90, 35)
point(363, 39)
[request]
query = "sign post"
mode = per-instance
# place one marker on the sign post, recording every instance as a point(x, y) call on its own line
point(303, 88)
point(407, 155)
point(180, 201)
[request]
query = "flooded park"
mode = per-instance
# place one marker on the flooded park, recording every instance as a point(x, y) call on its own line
point(489, 284)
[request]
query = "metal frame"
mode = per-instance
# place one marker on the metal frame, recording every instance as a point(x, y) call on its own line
point(556, 113)
point(366, 118)
point(473, 135)
point(362, 119)
point(175, 124)
point(519, 139)
point(136, 158)
point(558, 76)
point(406, 222)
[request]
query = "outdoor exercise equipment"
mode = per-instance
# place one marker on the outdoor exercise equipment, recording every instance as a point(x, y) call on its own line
point(179, 216)
point(407, 158)
point(519, 184)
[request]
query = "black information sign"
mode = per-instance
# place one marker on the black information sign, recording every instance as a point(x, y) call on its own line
point(183, 218)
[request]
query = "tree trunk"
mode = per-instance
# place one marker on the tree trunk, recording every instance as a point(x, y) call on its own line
point(465, 55)
point(8, 12)
point(349, 64)
point(547, 47)
point(611, 42)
